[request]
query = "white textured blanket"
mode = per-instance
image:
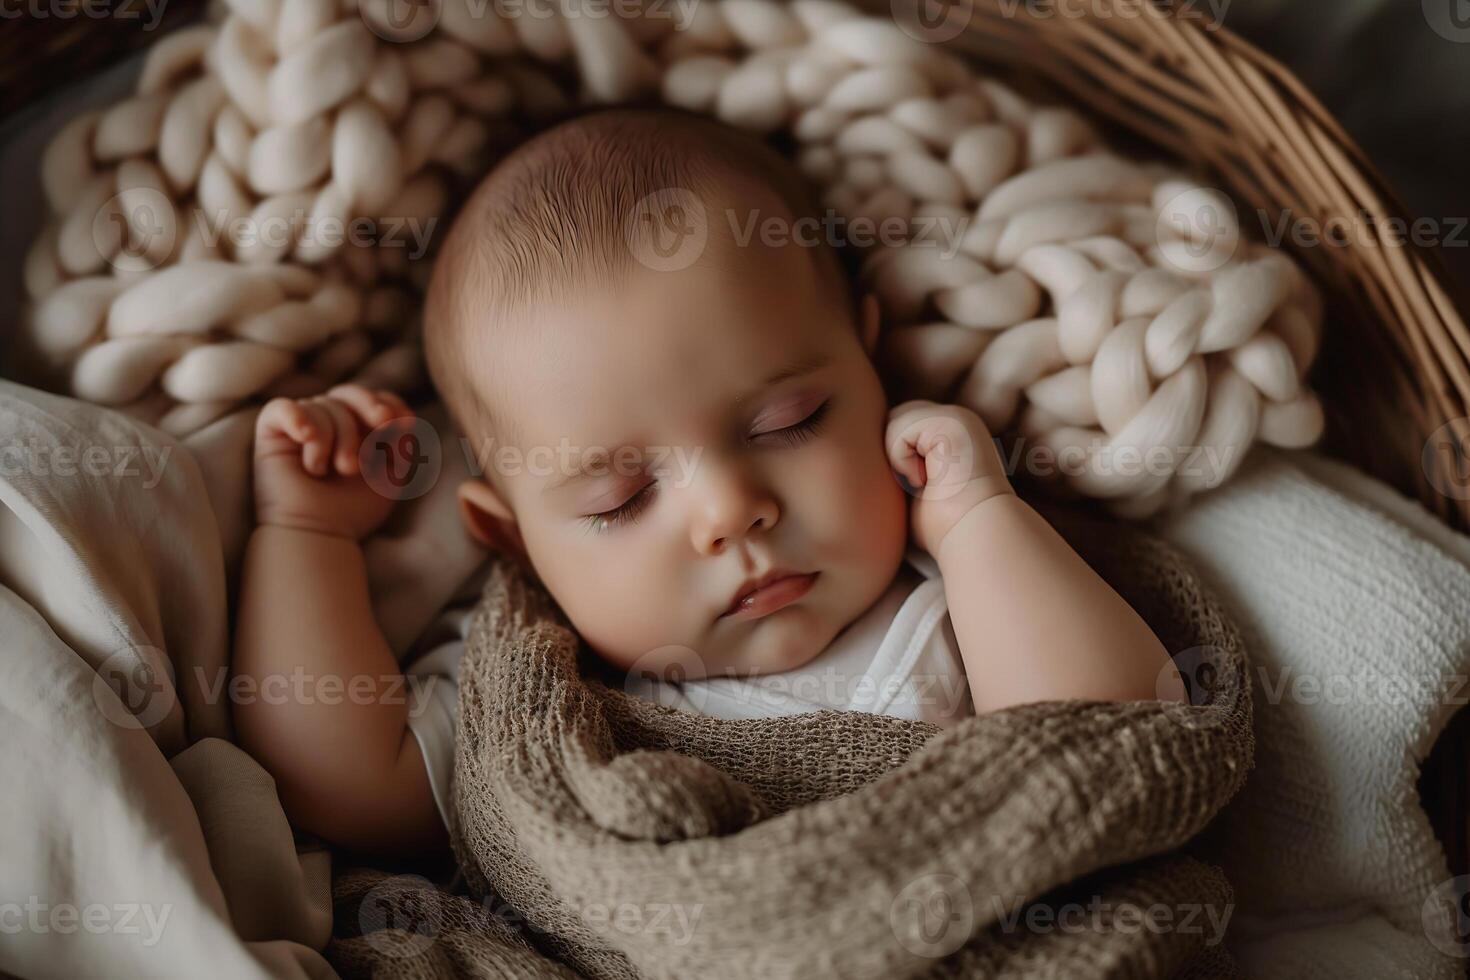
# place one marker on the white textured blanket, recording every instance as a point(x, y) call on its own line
point(1329, 574)
point(1352, 603)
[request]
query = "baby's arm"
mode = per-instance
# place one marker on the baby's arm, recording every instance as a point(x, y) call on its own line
point(327, 712)
point(1033, 621)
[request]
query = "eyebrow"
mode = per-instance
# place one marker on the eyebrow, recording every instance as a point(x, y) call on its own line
point(797, 368)
point(600, 459)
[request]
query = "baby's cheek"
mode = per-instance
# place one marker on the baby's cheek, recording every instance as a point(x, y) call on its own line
point(852, 497)
point(618, 613)
point(881, 505)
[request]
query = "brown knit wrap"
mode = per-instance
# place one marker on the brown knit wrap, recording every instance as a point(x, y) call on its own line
point(832, 844)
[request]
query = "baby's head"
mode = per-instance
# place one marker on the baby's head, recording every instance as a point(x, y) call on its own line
point(729, 386)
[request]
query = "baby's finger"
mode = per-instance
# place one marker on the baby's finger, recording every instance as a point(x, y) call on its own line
point(317, 447)
point(348, 435)
point(910, 466)
point(903, 456)
point(283, 416)
point(371, 411)
point(948, 451)
point(399, 406)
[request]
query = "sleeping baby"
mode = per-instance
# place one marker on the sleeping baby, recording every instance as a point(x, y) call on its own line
point(601, 297)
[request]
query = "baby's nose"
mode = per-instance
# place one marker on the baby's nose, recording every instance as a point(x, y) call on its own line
point(729, 516)
point(714, 544)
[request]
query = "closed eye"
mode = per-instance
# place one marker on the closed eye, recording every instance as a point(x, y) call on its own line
point(631, 509)
point(624, 513)
point(799, 432)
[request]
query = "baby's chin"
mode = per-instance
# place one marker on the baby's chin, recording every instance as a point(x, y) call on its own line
point(784, 640)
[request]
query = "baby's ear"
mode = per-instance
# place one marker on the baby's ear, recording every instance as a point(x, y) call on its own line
point(488, 520)
point(871, 317)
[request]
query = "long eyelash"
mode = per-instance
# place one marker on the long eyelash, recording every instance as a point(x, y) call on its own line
point(625, 513)
point(795, 435)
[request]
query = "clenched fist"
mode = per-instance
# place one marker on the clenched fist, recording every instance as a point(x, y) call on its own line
point(947, 457)
point(309, 464)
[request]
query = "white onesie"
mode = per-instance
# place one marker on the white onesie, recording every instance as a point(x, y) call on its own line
point(898, 658)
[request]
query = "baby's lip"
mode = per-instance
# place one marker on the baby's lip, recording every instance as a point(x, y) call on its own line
point(774, 590)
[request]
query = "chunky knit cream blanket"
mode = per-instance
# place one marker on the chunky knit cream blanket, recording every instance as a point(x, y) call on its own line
point(616, 838)
point(253, 220)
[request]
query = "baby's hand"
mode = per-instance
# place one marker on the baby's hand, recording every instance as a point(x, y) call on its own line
point(947, 457)
point(308, 472)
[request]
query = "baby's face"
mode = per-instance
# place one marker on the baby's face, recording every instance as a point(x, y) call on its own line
point(744, 421)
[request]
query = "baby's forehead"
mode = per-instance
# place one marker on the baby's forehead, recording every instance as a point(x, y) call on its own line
point(641, 356)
